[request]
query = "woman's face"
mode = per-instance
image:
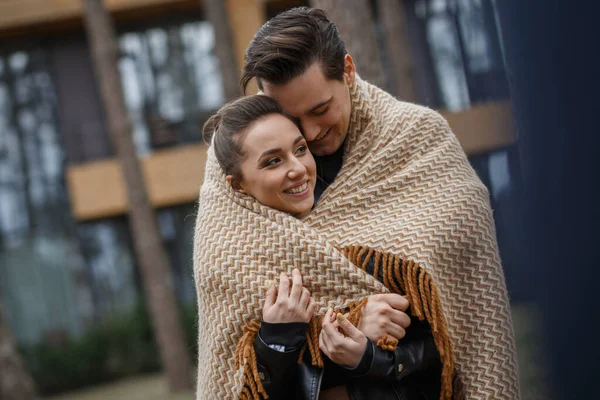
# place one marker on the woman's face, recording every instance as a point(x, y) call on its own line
point(278, 170)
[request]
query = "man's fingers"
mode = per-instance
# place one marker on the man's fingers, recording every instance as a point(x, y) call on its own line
point(394, 300)
point(396, 331)
point(284, 286)
point(271, 296)
point(348, 328)
point(400, 318)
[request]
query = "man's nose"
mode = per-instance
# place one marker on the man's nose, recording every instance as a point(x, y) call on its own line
point(311, 131)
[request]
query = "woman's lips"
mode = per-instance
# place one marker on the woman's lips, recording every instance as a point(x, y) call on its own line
point(298, 190)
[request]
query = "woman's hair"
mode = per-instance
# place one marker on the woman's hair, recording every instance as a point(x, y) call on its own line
point(228, 127)
point(289, 43)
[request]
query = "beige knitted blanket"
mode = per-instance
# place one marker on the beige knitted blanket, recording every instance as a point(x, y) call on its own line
point(406, 196)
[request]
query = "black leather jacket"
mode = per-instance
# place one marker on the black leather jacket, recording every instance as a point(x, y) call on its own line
point(411, 372)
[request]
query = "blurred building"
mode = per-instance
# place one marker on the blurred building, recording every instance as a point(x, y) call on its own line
point(66, 258)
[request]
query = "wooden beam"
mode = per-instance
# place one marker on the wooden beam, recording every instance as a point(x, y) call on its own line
point(15, 14)
point(483, 127)
point(393, 20)
point(245, 18)
point(174, 176)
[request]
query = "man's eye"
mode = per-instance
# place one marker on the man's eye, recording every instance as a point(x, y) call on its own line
point(321, 111)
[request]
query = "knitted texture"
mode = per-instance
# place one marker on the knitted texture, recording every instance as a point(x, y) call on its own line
point(405, 192)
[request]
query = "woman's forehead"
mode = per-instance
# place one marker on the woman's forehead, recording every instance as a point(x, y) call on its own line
point(274, 130)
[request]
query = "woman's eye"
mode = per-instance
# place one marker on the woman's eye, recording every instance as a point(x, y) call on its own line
point(272, 161)
point(301, 149)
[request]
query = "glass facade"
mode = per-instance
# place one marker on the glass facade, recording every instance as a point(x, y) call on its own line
point(500, 171)
point(171, 82)
point(41, 268)
point(464, 50)
point(58, 277)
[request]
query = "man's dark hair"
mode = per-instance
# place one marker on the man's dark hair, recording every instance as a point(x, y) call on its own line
point(289, 43)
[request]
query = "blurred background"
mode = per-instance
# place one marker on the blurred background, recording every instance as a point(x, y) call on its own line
point(71, 284)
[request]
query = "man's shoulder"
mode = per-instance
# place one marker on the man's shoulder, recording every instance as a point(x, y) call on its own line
point(390, 106)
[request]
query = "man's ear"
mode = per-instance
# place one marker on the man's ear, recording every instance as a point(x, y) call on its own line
point(235, 184)
point(349, 70)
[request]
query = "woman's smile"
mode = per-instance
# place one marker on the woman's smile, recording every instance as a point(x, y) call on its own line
point(299, 190)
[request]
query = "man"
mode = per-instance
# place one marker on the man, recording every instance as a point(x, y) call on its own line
point(299, 59)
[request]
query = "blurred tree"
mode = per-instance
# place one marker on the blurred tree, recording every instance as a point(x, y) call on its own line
point(393, 18)
point(15, 381)
point(355, 22)
point(218, 17)
point(152, 257)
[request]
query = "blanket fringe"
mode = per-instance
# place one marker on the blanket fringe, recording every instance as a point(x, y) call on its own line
point(245, 355)
point(409, 279)
point(399, 276)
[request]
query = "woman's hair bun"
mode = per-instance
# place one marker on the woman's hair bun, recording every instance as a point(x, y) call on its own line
point(210, 127)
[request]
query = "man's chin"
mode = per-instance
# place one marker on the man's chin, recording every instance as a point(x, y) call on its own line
point(325, 149)
point(317, 152)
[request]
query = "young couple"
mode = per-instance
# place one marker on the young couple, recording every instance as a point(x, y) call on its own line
point(369, 205)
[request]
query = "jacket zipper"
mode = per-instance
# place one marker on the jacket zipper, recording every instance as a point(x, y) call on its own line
point(318, 391)
point(399, 395)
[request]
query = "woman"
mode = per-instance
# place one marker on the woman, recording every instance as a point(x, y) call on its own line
point(264, 155)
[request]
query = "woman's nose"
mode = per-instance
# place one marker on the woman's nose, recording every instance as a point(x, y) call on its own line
point(297, 169)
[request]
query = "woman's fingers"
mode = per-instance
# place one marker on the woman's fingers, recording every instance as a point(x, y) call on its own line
point(331, 327)
point(271, 296)
point(296, 291)
point(348, 328)
point(322, 344)
point(312, 307)
point(284, 287)
point(325, 343)
point(304, 299)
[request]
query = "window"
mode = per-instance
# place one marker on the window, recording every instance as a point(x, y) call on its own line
point(464, 50)
point(500, 172)
point(171, 82)
point(55, 279)
point(31, 157)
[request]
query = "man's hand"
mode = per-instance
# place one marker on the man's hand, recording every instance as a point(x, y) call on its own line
point(285, 305)
point(384, 314)
point(342, 350)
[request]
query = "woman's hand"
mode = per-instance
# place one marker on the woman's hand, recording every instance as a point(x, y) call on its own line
point(342, 350)
point(284, 305)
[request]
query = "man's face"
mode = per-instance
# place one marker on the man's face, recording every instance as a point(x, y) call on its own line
point(322, 105)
